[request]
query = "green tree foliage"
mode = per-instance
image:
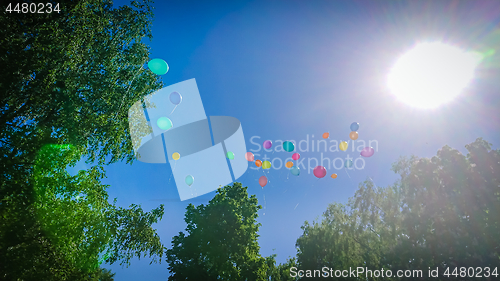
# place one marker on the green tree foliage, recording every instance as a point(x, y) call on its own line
point(451, 209)
point(103, 275)
point(340, 241)
point(70, 78)
point(280, 272)
point(220, 242)
point(443, 212)
point(67, 80)
point(69, 206)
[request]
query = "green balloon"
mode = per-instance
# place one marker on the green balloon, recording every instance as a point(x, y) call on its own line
point(189, 180)
point(266, 165)
point(158, 66)
point(288, 146)
point(230, 155)
point(164, 123)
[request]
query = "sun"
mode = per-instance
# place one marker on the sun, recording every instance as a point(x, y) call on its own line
point(432, 74)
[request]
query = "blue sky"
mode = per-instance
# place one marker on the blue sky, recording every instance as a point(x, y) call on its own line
point(296, 69)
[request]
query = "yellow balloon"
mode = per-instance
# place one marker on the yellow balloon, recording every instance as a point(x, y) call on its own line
point(266, 165)
point(289, 164)
point(176, 156)
point(343, 146)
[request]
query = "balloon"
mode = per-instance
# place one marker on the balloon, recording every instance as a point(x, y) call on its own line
point(367, 152)
point(189, 180)
point(295, 170)
point(353, 135)
point(268, 144)
point(348, 164)
point(266, 165)
point(354, 126)
point(319, 171)
point(158, 66)
point(289, 164)
point(230, 155)
point(176, 156)
point(326, 135)
point(263, 181)
point(164, 123)
point(249, 156)
point(343, 146)
point(288, 146)
point(258, 163)
point(295, 156)
point(175, 98)
point(334, 176)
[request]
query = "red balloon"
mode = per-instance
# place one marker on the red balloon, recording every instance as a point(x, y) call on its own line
point(249, 156)
point(319, 171)
point(263, 181)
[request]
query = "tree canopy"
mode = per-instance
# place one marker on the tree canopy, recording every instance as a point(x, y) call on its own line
point(220, 242)
point(444, 212)
point(67, 81)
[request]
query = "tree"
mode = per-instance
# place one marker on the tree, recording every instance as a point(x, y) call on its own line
point(341, 241)
point(103, 275)
point(451, 209)
point(67, 81)
point(444, 212)
point(280, 272)
point(220, 242)
point(73, 220)
point(77, 74)
point(69, 206)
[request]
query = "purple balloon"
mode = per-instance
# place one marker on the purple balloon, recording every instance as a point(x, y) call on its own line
point(175, 98)
point(367, 152)
point(268, 144)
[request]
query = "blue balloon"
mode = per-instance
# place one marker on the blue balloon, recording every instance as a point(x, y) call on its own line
point(348, 164)
point(164, 123)
point(354, 126)
point(189, 180)
point(295, 170)
point(158, 66)
point(175, 98)
point(288, 146)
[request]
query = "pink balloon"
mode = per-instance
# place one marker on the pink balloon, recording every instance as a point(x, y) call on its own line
point(268, 144)
point(367, 152)
point(319, 171)
point(249, 156)
point(295, 156)
point(263, 181)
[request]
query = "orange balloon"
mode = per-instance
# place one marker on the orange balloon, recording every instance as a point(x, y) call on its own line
point(289, 164)
point(258, 163)
point(334, 176)
point(353, 135)
point(326, 135)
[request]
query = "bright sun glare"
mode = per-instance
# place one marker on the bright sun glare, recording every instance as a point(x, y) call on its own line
point(431, 74)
